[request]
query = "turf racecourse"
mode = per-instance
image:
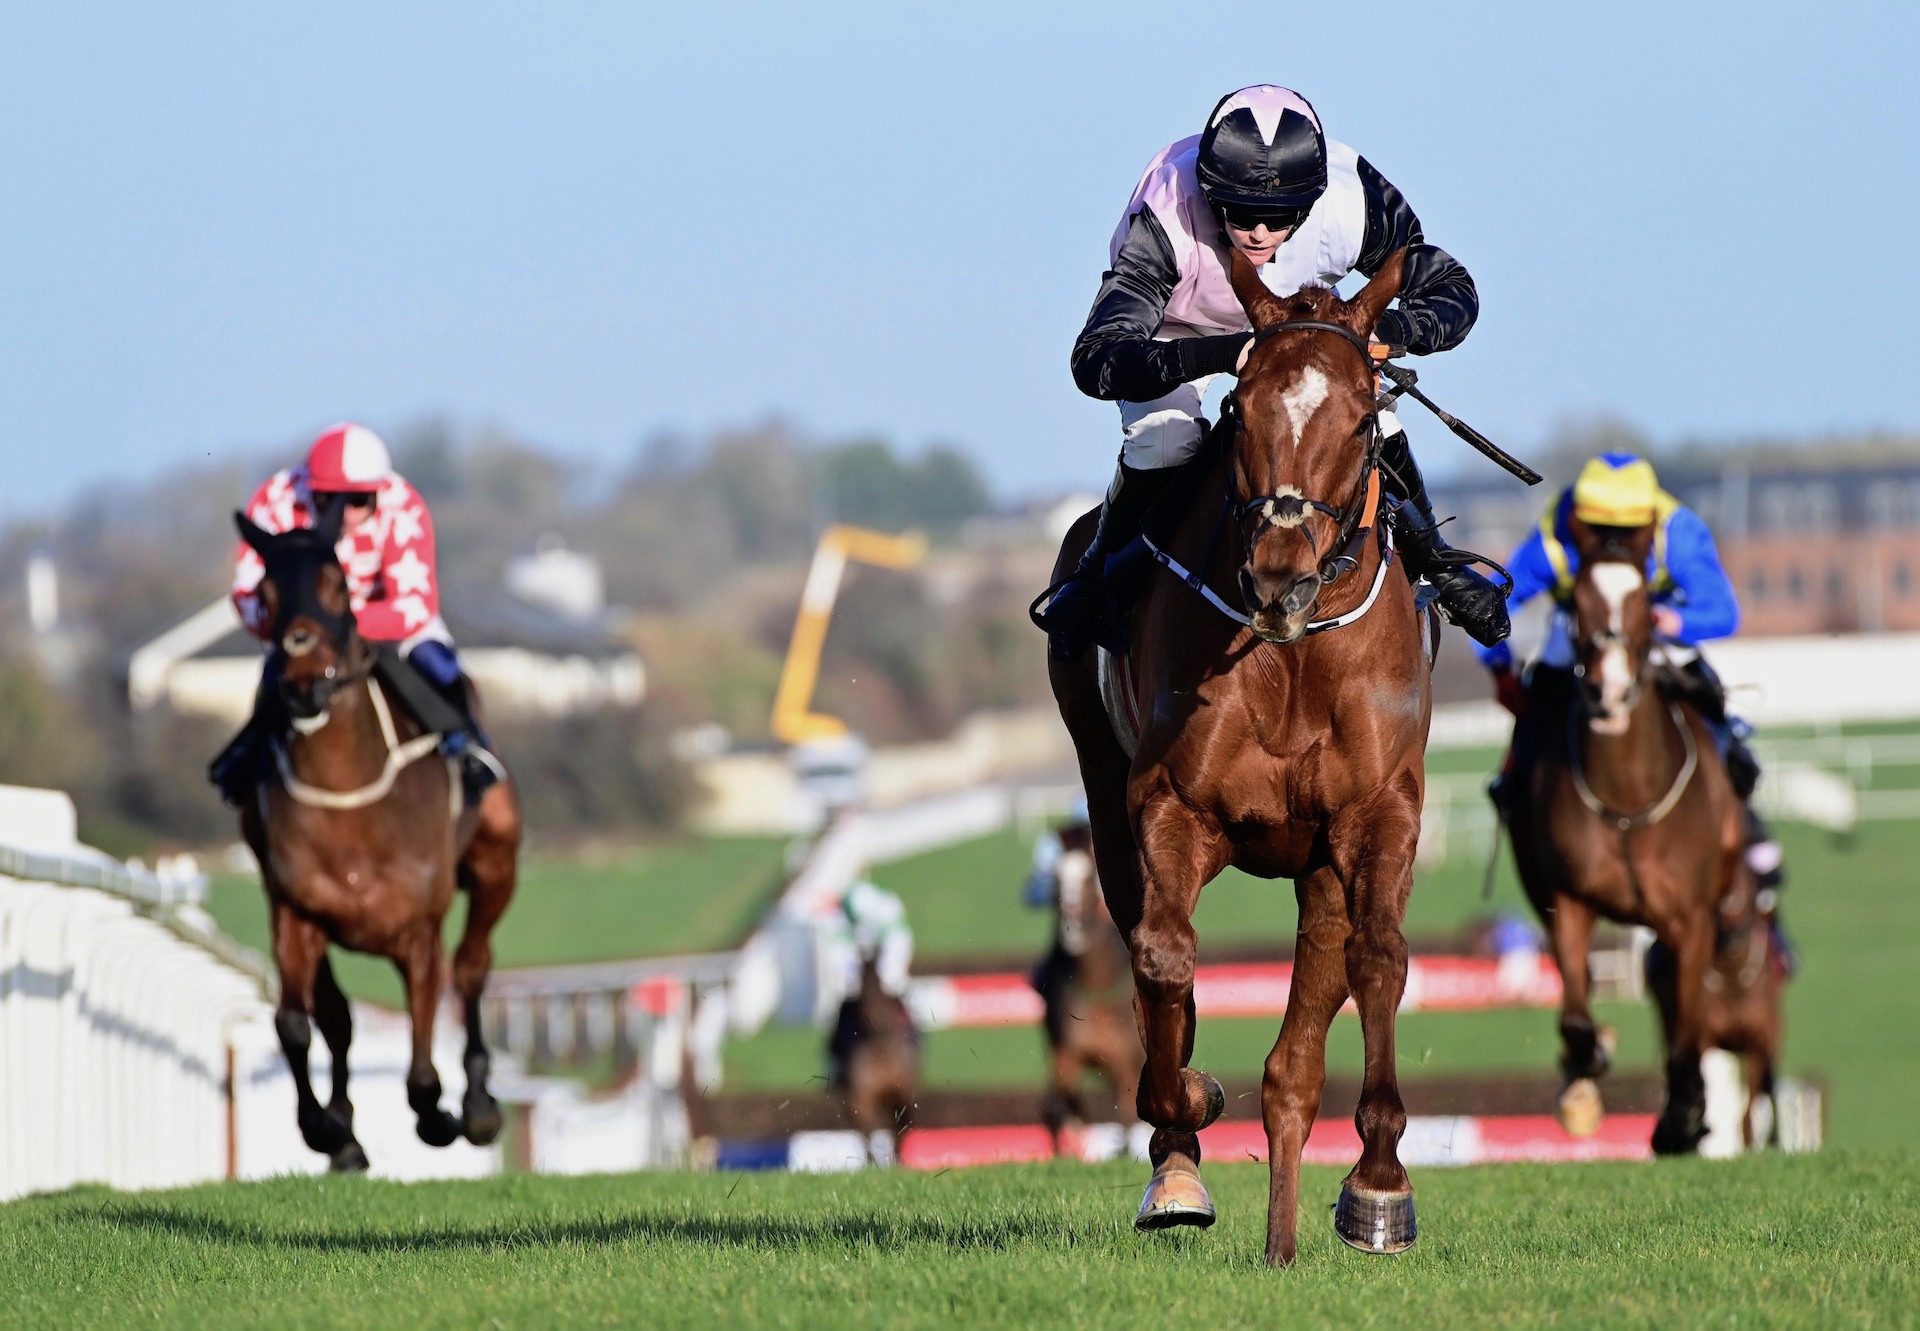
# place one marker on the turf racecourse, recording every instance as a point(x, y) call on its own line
point(1805, 1241)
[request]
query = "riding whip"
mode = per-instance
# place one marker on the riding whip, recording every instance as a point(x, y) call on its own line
point(1404, 381)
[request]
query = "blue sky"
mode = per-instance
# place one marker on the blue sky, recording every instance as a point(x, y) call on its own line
point(224, 228)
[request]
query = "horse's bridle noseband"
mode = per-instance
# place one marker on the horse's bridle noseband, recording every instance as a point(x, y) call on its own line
point(1289, 509)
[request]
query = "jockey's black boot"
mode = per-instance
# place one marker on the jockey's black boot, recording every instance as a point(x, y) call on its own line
point(1465, 597)
point(1699, 684)
point(1076, 607)
point(478, 767)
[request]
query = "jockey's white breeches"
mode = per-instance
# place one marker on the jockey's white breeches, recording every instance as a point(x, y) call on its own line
point(1166, 431)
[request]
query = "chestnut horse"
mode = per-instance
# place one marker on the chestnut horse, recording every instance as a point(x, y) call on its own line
point(1088, 1023)
point(1260, 741)
point(361, 842)
point(1626, 813)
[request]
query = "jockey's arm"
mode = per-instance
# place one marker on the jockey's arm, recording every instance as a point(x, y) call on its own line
point(1532, 574)
point(1116, 358)
point(1708, 608)
point(894, 958)
point(1438, 300)
point(407, 596)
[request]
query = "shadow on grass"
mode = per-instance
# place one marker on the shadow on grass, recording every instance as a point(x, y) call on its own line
point(758, 1232)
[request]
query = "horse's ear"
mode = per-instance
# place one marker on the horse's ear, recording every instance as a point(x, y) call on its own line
point(1262, 306)
point(329, 518)
point(252, 533)
point(1365, 309)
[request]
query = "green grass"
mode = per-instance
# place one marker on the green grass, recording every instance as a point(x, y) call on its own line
point(1854, 912)
point(1768, 1241)
point(691, 896)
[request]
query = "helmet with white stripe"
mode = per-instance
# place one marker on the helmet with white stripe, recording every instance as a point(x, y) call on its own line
point(348, 459)
point(1263, 153)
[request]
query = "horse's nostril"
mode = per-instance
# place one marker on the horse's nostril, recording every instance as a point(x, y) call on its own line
point(1301, 595)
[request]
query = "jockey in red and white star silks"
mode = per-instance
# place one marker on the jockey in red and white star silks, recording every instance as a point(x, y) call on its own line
point(388, 555)
point(386, 549)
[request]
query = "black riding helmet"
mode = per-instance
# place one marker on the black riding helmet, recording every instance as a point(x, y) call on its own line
point(1263, 155)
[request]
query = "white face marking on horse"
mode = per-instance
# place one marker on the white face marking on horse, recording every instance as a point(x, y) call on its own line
point(1303, 399)
point(1615, 582)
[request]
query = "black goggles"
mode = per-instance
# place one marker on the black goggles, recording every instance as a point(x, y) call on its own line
point(349, 498)
point(1248, 219)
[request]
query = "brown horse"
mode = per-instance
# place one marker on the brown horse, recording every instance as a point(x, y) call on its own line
point(361, 842)
point(883, 1064)
point(1260, 741)
point(1740, 1002)
point(1089, 1021)
point(1626, 813)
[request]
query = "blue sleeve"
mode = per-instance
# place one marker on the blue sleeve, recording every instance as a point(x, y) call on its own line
point(1709, 609)
point(1532, 574)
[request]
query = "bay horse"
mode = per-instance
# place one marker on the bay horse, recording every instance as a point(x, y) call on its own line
point(1740, 1002)
point(883, 1065)
point(1089, 1019)
point(1261, 741)
point(362, 841)
point(1626, 813)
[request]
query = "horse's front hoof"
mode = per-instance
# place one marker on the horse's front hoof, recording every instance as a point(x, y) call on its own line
point(349, 1159)
point(325, 1131)
point(1581, 1109)
point(480, 1118)
point(1679, 1134)
point(438, 1128)
point(1174, 1197)
point(1211, 1094)
point(1376, 1222)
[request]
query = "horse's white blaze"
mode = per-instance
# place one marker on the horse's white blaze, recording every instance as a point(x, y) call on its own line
point(1303, 399)
point(1615, 582)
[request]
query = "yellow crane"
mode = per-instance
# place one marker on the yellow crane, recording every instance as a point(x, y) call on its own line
point(794, 721)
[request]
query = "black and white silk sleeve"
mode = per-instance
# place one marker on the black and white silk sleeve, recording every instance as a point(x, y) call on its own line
point(1438, 301)
point(1116, 357)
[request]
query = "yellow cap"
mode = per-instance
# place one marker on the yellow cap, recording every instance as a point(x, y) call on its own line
point(1616, 490)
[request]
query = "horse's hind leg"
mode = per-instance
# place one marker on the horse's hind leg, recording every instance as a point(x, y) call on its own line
point(1373, 853)
point(488, 874)
point(299, 950)
point(1179, 854)
point(420, 967)
point(1296, 1071)
point(335, 1019)
point(1583, 1053)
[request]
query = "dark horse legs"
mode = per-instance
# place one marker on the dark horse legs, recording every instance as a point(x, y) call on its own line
point(335, 1019)
point(299, 952)
point(420, 965)
point(1583, 1056)
point(487, 874)
point(1683, 1119)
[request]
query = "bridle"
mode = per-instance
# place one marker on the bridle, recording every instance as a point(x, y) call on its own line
point(1288, 509)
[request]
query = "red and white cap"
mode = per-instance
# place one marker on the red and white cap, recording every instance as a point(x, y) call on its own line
point(348, 458)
